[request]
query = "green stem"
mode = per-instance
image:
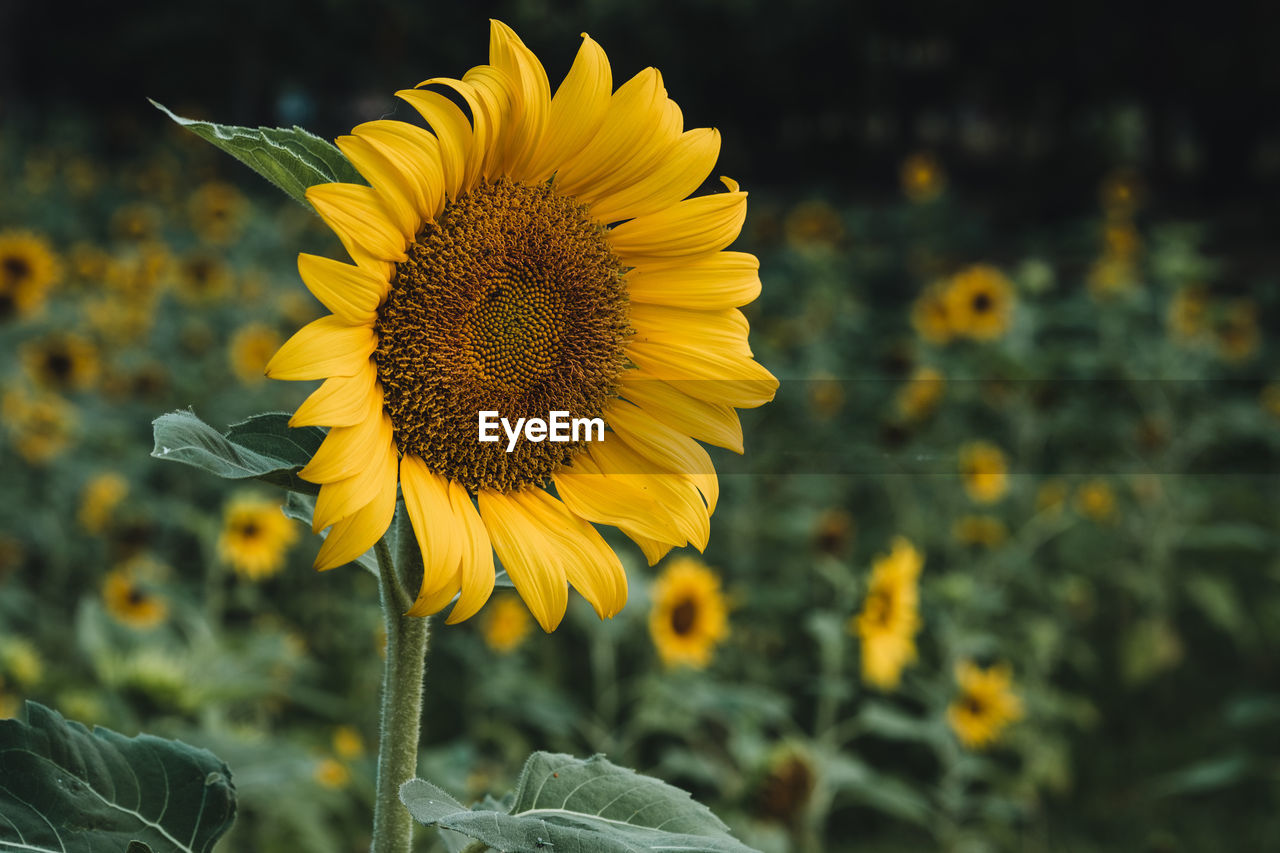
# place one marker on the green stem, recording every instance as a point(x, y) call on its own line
point(401, 708)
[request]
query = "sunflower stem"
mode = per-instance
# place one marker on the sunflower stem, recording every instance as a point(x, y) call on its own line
point(401, 718)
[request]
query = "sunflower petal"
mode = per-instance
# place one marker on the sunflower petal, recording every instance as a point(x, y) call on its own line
point(359, 218)
point(638, 107)
point(675, 493)
point(724, 331)
point(667, 448)
point(342, 498)
point(394, 191)
point(577, 110)
point(530, 558)
point(348, 291)
point(352, 536)
point(342, 401)
point(347, 450)
point(323, 348)
point(590, 564)
point(487, 91)
point(724, 378)
point(697, 226)
point(681, 171)
point(477, 573)
point(452, 130)
point(722, 280)
point(415, 153)
point(614, 500)
point(652, 549)
point(440, 536)
point(713, 423)
point(532, 102)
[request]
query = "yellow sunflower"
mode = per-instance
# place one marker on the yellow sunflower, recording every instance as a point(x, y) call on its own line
point(255, 536)
point(348, 743)
point(922, 178)
point(984, 471)
point(99, 500)
point(40, 427)
point(130, 602)
point(1096, 500)
point(890, 616)
point(250, 349)
point(931, 315)
point(28, 268)
point(62, 361)
point(979, 302)
point(919, 397)
point(985, 706)
point(689, 617)
point(538, 256)
point(218, 211)
point(506, 623)
point(204, 277)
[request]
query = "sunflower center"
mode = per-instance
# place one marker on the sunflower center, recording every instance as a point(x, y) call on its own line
point(136, 597)
point(511, 301)
point(973, 705)
point(16, 269)
point(683, 617)
point(249, 529)
point(982, 303)
point(58, 363)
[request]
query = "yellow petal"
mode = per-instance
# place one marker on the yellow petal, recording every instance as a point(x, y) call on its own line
point(667, 448)
point(652, 549)
point(394, 191)
point(675, 493)
point(532, 102)
point(724, 331)
point(440, 537)
point(348, 291)
point(342, 401)
point(722, 280)
point(477, 572)
point(577, 110)
point(415, 153)
point(590, 564)
point(713, 423)
point(348, 450)
point(614, 500)
point(488, 93)
point(634, 114)
point(683, 168)
point(359, 218)
point(697, 226)
point(323, 348)
point(452, 130)
point(342, 498)
point(724, 378)
point(352, 536)
point(530, 558)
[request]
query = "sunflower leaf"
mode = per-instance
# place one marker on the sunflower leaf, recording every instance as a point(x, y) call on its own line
point(264, 447)
point(65, 789)
point(290, 158)
point(567, 805)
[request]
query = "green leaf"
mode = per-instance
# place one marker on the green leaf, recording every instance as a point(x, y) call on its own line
point(264, 447)
point(65, 789)
point(567, 805)
point(292, 158)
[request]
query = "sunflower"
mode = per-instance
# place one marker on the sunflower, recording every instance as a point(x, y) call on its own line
point(217, 212)
point(931, 315)
point(39, 427)
point(28, 268)
point(348, 743)
point(537, 256)
point(506, 623)
point(129, 600)
point(689, 617)
point(919, 397)
point(61, 361)
point(255, 536)
point(985, 706)
point(203, 277)
point(99, 500)
point(984, 471)
point(890, 616)
point(250, 349)
point(923, 179)
point(1096, 500)
point(331, 773)
point(979, 302)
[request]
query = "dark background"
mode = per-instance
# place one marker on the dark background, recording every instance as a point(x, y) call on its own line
point(1027, 102)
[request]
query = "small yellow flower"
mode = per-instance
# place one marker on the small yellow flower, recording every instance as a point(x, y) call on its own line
point(923, 179)
point(40, 428)
point(814, 224)
point(256, 536)
point(137, 221)
point(919, 398)
point(250, 350)
point(890, 616)
point(1236, 331)
point(980, 302)
point(62, 361)
point(984, 470)
point(984, 530)
point(689, 617)
point(20, 661)
point(203, 277)
point(506, 623)
point(1096, 500)
point(218, 212)
point(28, 268)
point(931, 316)
point(90, 264)
point(99, 500)
point(985, 705)
point(347, 743)
point(331, 773)
point(130, 602)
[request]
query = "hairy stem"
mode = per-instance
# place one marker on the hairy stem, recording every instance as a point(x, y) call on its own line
point(401, 708)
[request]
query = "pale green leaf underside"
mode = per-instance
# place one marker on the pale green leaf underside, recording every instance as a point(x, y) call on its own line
point(567, 805)
point(64, 789)
point(290, 158)
point(264, 447)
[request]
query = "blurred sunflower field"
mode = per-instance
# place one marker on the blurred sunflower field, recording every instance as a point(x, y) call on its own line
point(999, 568)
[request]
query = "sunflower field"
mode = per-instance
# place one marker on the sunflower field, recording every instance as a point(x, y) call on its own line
point(994, 564)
